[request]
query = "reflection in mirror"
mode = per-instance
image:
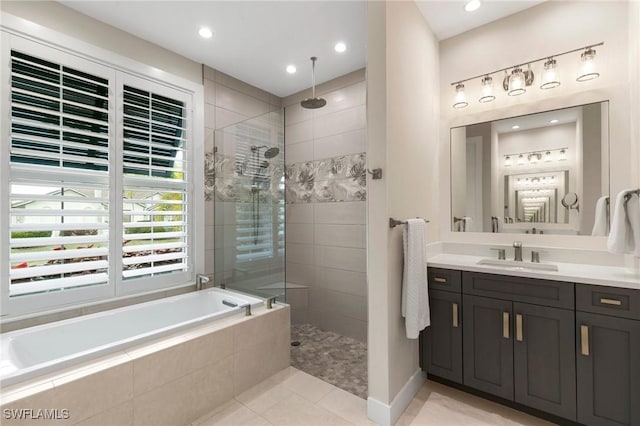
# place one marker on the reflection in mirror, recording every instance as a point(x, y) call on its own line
point(541, 173)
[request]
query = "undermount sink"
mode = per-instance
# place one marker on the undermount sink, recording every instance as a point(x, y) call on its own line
point(518, 265)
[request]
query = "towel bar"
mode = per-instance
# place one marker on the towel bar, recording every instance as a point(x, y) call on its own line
point(394, 222)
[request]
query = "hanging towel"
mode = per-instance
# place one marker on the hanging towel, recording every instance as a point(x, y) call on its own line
point(415, 299)
point(633, 214)
point(621, 235)
point(466, 224)
point(601, 224)
point(498, 224)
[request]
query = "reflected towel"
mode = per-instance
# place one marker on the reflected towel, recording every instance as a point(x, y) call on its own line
point(621, 240)
point(633, 215)
point(466, 224)
point(601, 224)
point(415, 298)
point(499, 222)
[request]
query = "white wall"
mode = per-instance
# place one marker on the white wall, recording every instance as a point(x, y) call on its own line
point(57, 17)
point(402, 122)
point(546, 29)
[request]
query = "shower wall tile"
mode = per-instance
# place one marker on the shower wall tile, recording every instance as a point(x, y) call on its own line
point(340, 235)
point(349, 213)
point(299, 233)
point(209, 116)
point(299, 152)
point(300, 253)
point(349, 282)
point(340, 122)
point(294, 113)
point(298, 132)
point(301, 274)
point(237, 101)
point(209, 243)
point(323, 89)
point(349, 259)
point(344, 98)
point(209, 91)
point(350, 306)
point(299, 213)
point(241, 86)
point(225, 117)
point(342, 144)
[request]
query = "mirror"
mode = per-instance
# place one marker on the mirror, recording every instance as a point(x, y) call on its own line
point(541, 173)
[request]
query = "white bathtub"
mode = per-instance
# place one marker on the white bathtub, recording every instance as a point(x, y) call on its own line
point(43, 349)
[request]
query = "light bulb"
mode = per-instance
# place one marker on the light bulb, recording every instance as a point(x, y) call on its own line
point(547, 156)
point(507, 161)
point(487, 89)
point(460, 99)
point(516, 82)
point(588, 66)
point(550, 75)
point(520, 159)
point(563, 155)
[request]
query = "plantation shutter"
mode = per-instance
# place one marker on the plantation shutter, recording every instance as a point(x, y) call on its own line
point(155, 204)
point(59, 176)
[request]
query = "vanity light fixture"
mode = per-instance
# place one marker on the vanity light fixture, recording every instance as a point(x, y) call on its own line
point(520, 159)
point(547, 156)
point(516, 82)
point(550, 75)
point(588, 65)
point(507, 161)
point(533, 157)
point(563, 155)
point(487, 89)
point(460, 99)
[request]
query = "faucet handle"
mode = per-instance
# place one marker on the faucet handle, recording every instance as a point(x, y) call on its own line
point(535, 256)
point(501, 253)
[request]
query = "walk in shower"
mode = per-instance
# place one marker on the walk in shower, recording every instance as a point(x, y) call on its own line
point(245, 177)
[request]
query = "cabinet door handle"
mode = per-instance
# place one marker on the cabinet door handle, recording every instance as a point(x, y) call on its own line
point(519, 327)
point(505, 325)
point(454, 310)
point(584, 339)
point(606, 301)
point(440, 280)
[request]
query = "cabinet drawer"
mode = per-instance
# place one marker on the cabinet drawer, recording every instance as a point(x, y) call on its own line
point(444, 279)
point(617, 302)
point(557, 294)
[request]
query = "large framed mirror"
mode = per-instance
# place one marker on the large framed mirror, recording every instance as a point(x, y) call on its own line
point(541, 173)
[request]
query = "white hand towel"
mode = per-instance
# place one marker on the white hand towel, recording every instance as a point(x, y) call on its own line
point(633, 215)
point(600, 224)
point(415, 298)
point(466, 224)
point(620, 238)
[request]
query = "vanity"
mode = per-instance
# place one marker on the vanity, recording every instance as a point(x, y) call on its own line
point(562, 345)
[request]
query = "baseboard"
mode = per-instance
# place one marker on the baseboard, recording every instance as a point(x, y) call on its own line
point(388, 414)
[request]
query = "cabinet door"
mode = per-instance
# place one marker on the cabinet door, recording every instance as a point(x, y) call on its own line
point(608, 367)
point(442, 340)
point(488, 345)
point(544, 359)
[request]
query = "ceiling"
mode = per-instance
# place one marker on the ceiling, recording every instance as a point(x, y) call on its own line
point(255, 41)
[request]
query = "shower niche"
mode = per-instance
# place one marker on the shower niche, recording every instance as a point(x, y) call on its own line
point(245, 179)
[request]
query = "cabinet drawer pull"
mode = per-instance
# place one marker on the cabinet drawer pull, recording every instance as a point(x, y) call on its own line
point(606, 301)
point(454, 310)
point(440, 280)
point(505, 325)
point(584, 340)
point(519, 327)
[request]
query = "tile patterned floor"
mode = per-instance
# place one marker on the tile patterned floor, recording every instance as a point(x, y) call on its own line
point(336, 359)
point(295, 398)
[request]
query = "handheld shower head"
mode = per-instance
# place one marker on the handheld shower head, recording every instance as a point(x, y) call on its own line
point(269, 153)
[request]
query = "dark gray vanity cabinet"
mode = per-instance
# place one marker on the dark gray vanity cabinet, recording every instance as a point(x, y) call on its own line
point(608, 355)
point(441, 342)
point(516, 350)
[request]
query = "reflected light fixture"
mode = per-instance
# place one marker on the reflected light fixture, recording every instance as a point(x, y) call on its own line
point(507, 161)
point(521, 159)
point(205, 32)
point(563, 155)
point(472, 5)
point(487, 89)
point(547, 156)
point(550, 75)
point(587, 65)
point(516, 82)
point(460, 99)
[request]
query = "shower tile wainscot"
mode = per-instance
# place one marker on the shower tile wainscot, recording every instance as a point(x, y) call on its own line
point(169, 381)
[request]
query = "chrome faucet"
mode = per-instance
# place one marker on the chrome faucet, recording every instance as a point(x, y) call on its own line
point(517, 245)
point(201, 279)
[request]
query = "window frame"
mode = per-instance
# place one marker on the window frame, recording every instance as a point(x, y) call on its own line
point(19, 34)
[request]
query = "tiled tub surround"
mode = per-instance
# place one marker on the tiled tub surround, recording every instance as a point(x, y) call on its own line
point(325, 194)
point(170, 381)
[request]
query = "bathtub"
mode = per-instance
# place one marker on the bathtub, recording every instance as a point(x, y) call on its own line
point(35, 351)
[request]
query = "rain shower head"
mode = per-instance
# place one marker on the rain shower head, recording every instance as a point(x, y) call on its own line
point(313, 102)
point(269, 153)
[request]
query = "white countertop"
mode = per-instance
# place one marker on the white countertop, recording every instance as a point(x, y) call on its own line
point(571, 272)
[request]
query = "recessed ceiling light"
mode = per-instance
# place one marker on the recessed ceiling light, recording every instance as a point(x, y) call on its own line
point(291, 69)
point(516, 127)
point(205, 32)
point(340, 47)
point(472, 5)
point(554, 121)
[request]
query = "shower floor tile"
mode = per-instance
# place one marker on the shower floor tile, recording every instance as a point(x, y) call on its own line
point(336, 359)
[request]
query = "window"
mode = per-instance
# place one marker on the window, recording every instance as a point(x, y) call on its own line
point(98, 194)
